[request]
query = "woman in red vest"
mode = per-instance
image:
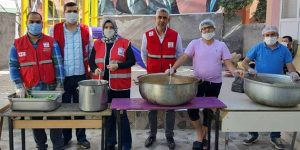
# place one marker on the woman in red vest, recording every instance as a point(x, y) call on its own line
point(112, 58)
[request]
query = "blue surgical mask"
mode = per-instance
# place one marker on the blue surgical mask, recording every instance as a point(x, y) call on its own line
point(71, 17)
point(35, 28)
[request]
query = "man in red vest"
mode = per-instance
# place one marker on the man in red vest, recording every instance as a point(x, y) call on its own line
point(35, 64)
point(161, 46)
point(75, 42)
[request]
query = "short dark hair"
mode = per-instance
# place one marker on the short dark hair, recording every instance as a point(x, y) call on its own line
point(69, 4)
point(288, 37)
point(34, 13)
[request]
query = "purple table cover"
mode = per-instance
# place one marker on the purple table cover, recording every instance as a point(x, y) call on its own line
point(141, 104)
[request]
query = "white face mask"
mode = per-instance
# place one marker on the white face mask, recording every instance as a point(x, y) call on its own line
point(284, 43)
point(109, 33)
point(71, 17)
point(270, 40)
point(208, 36)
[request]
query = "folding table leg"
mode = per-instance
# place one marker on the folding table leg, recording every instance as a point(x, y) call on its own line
point(119, 129)
point(103, 135)
point(226, 140)
point(209, 134)
point(10, 132)
point(293, 140)
point(1, 125)
point(23, 138)
point(217, 129)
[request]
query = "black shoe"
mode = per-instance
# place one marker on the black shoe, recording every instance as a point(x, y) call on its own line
point(149, 141)
point(250, 141)
point(110, 147)
point(171, 143)
point(197, 146)
point(67, 143)
point(42, 147)
point(84, 144)
point(277, 143)
point(205, 144)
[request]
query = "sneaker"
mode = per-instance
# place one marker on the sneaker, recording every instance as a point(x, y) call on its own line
point(84, 144)
point(277, 143)
point(110, 147)
point(149, 141)
point(197, 145)
point(42, 147)
point(67, 143)
point(205, 144)
point(171, 143)
point(250, 141)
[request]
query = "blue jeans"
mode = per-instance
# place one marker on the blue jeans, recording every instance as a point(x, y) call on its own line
point(272, 134)
point(110, 124)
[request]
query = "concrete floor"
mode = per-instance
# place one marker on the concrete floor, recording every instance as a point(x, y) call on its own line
point(183, 137)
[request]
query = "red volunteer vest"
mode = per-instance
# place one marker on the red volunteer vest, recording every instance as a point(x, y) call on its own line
point(121, 78)
point(35, 64)
point(59, 36)
point(160, 55)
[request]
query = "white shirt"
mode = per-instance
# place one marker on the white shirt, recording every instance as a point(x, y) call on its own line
point(144, 51)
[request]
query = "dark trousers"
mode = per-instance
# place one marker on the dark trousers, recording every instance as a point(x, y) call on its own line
point(169, 122)
point(71, 93)
point(110, 125)
point(205, 89)
point(40, 136)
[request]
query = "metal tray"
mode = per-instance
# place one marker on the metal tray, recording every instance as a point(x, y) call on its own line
point(39, 103)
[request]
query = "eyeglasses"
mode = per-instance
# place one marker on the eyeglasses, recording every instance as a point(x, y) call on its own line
point(32, 21)
point(72, 11)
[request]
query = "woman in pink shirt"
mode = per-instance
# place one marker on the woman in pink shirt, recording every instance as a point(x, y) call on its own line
point(208, 54)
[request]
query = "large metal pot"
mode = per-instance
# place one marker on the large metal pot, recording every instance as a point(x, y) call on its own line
point(159, 89)
point(93, 95)
point(272, 90)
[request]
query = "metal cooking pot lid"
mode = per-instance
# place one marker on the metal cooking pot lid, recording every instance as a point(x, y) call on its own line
point(93, 82)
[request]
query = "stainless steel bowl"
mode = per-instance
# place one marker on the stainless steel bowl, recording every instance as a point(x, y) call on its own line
point(273, 90)
point(161, 89)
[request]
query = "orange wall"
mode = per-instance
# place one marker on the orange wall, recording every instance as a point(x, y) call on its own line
point(273, 12)
point(252, 8)
point(248, 12)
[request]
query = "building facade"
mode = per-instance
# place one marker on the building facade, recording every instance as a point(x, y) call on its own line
point(285, 14)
